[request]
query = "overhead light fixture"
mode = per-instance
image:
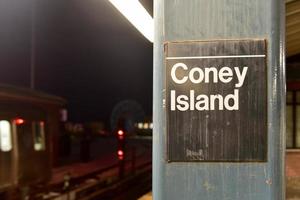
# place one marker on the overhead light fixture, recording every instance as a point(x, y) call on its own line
point(138, 16)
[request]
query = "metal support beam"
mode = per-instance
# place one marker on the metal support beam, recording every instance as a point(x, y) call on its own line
point(218, 19)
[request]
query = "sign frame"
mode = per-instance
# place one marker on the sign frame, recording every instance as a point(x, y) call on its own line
point(167, 102)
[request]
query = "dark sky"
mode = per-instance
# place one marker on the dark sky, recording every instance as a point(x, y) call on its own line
point(86, 51)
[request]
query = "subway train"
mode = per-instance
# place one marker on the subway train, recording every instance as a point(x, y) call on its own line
point(29, 130)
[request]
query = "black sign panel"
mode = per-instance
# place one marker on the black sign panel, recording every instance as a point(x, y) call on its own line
point(216, 101)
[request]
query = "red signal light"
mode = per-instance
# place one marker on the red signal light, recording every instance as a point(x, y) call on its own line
point(120, 154)
point(19, 121)
point(120, 132)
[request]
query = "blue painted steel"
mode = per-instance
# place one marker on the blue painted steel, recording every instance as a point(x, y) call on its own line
point(177, 20)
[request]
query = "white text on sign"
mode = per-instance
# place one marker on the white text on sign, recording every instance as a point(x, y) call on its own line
point(181, 74)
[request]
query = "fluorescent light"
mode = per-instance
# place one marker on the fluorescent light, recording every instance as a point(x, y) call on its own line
point(134, 11)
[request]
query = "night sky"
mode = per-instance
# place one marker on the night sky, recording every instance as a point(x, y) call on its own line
point(86, 52)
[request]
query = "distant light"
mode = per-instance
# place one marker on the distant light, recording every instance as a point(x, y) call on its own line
point(19, 121)
point(151, 125)
point(146, 126)
point(120, 153)
point(138, 16)
point(63, 115)
point(120, 132)
point(38, 146)
point(140, 125)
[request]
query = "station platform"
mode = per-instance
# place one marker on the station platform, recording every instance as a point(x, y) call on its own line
point(147, 196)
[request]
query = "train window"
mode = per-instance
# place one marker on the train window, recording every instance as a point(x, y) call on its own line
point(5, 136)
point(38, 129)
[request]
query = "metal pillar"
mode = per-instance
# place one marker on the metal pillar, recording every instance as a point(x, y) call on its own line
point(181, 20)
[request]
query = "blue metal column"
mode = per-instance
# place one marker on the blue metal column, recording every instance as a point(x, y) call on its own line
point(181, 20)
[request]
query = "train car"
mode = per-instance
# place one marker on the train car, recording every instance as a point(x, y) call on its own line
point(29, 127)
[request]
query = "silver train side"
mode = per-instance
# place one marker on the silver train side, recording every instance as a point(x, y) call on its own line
point(29, 130)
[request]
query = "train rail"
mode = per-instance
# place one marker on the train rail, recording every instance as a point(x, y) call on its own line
point(103, 184)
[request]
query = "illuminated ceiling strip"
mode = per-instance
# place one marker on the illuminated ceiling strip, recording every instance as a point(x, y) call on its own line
point(208, 57)
point(138, 16)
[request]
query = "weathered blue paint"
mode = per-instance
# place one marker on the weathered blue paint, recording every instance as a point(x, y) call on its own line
point(177, 20)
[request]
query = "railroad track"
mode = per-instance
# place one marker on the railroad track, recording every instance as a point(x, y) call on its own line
point(104, 185)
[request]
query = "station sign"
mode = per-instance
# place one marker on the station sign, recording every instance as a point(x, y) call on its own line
point(216, 101)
